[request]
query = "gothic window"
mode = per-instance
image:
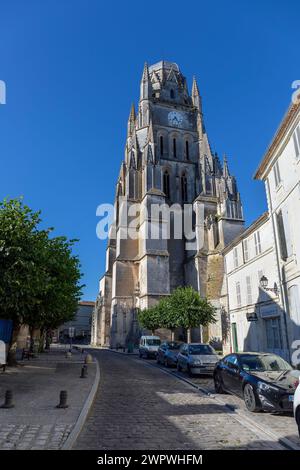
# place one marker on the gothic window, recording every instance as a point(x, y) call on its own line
point(161, 145)
point(172, 94)
point(187, 150)
point(184, 195)
point(166, 184)
point(174, 148)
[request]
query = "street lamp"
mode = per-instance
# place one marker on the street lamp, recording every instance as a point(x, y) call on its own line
point(264, 281)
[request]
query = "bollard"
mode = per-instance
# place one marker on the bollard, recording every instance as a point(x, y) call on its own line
point(88, 359)
point(63, 397)
point(8, 400)
point(84, 371)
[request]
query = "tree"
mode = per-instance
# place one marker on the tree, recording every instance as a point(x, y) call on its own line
point(39, 276)
point(149, 318)
point(189, 310)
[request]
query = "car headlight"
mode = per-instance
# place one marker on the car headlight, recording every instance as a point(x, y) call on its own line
point(264, 387)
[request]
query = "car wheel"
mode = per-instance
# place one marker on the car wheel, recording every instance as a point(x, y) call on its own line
point(250, 399)
point(166, 363)
point(298, 419)
point(189, 371)
point(179, 368)
point(140, 355)
point(218, 383)
point(157, 359)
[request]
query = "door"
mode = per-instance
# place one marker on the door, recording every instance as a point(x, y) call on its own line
point(234, 337)
point(230, 373)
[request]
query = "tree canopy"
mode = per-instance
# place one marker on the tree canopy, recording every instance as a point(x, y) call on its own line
point(39, 275)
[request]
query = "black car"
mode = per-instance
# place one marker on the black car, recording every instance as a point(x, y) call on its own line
point(167, 353)
point(265, 381)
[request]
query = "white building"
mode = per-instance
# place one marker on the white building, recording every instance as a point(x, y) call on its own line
point(257, 320)
point(280, 170)
point(262, 265)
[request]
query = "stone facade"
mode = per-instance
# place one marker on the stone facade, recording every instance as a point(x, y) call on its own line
point(168, 160)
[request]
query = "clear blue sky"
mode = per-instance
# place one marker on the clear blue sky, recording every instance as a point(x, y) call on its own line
point(72, 69)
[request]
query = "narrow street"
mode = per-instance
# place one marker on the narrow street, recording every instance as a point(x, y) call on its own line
point(138, 406)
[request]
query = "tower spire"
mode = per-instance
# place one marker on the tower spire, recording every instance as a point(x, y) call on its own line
point(131, 121)
point(146, 87)
point(225, 167)
point(196, 98)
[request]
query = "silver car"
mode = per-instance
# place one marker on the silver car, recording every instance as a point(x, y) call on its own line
point(197, 358)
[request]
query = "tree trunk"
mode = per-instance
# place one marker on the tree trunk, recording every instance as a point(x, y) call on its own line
point(41, 341)
point(31, 331)
point(48, 338)
point(12, 348)
point(189, 335)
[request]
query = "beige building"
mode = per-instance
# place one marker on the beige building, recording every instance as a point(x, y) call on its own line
point(169, 163)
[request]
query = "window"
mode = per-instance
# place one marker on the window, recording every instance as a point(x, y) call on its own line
point(257, 243)
point(172, 94)
point(249, 290)
point(161, 145)
point(235, 258)
point(284, 234)
point(296, 139)
point(238, 294)
point(277, 175)
point(246, 250)
point(166, 184)
point(184, 195)
point(273, 333)
point(174, 148)
point(187, 150)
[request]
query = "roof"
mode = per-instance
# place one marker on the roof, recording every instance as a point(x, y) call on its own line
point(163, 64)
point(255, 225)
point(278, 137)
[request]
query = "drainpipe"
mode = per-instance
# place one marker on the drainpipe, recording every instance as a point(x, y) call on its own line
point(285, 302)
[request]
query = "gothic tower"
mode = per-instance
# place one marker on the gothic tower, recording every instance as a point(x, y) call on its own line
point(168, 160)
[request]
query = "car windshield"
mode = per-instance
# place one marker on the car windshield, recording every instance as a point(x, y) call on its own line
point(264, 362)
point(174, 345)
point(153, 342)
point(201, 350)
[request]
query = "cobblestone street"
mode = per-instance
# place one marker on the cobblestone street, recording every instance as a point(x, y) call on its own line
point(140, 407)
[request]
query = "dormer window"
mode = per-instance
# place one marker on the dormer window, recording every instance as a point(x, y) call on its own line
point(172, 94)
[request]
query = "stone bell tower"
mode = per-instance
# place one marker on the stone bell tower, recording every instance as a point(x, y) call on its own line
point(168, 161)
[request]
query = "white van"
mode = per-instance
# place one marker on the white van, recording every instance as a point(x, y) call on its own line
point(149, 346)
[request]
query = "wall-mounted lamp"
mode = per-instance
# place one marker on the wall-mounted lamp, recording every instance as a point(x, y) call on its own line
point(264, 281)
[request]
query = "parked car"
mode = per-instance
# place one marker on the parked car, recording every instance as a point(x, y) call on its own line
point(297, 407)
point(167, 353)
point(265, 381)
point(149, 346)
point(197, 358)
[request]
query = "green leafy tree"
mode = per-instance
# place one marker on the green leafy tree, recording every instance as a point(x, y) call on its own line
point(188, 310)
point(39, 276)
point(150, 319)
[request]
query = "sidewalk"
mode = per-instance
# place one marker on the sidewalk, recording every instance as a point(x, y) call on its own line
point(35, 422)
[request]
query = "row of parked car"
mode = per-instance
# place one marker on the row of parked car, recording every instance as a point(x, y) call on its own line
point(265, 381)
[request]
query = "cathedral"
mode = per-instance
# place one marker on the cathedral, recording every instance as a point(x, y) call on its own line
point(169, 163)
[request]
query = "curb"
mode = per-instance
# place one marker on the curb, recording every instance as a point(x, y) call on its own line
point(71, 439)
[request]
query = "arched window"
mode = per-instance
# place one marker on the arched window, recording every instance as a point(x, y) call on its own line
point(161, 145)
point(184, 188)
point(172, 94)
point(187, 150)
point(174, 148)
point(166, 184)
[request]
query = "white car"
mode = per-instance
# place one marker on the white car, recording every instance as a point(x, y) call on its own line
point(297, 407)
point(149, 346)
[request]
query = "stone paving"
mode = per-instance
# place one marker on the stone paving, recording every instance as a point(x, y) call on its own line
point(139, 407)
point(35, 422)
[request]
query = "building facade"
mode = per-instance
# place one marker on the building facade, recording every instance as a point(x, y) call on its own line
point(82, 323)
point(257, 317)
point(168, 163)
point(280, 171)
